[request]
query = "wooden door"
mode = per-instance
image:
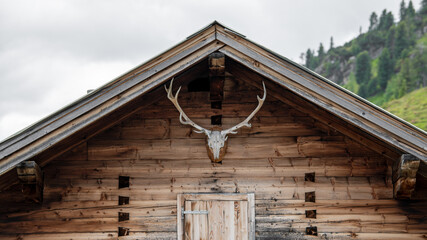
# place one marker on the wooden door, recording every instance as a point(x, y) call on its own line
point(216, 216)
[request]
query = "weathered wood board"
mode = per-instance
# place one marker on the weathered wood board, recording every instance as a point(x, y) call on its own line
point(353, 186)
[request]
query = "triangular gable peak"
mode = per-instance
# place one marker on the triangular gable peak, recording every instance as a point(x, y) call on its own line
point(65, 129)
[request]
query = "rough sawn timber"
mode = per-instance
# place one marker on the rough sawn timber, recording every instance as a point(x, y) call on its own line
point(353, 184)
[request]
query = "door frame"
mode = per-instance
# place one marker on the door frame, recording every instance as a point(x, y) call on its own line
point(249, 197)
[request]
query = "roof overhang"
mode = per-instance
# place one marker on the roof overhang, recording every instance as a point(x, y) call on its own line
point(310, 86)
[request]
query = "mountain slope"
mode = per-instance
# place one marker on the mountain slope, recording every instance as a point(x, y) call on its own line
point(413, 106)
point(385, 63)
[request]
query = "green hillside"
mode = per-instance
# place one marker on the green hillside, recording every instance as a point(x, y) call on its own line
point(387, 62)
point(413, 106)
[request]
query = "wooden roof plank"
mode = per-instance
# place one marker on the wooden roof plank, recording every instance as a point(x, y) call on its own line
point(352, 106)
point(72, 127)
point(92, 100)
point(303, 82)
point(316, 113)
point(327, 106)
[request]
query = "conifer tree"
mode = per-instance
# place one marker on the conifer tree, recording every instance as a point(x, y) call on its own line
point(308, 58)
point(401, 39)
point(410, 11)
point(423, 9)
point(381, 25)
point(418, 64)
point(363, 68)
point(372, 87)
point(402, 10)
point(321, 52)
point(385, 68)
point(389, 21)
point(386, 20)
point(363, 90)
point(405, 76)
point(373, 21)
point(390, 41)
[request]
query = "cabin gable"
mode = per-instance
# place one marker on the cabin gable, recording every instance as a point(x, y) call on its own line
point(86, 191)
point(310, 166)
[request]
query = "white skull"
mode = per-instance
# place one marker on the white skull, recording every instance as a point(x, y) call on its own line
point(216, 141)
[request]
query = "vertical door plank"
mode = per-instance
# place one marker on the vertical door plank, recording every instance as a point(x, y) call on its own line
point(236, 205)
point(251, 216)
point(180, 225)
point(215, 220)
point(195, 221)
point(243, 220)
point(203, 221)
point(228, 210)
point(199, 221)
point(188, 225)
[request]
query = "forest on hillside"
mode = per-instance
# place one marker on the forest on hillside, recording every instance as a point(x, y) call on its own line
point(385, 64)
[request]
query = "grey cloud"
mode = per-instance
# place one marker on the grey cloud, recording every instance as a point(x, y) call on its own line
point(52, 51)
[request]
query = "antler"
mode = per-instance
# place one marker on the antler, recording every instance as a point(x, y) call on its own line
point(182, 116)
point(246, 123)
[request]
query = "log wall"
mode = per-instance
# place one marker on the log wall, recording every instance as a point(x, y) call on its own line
point(353, 193)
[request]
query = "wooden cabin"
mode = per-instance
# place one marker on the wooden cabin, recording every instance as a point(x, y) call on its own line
point(317, 162)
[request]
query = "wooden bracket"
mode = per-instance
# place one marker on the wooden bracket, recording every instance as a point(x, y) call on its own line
point(31, 178)
point(216, 76)
point(404, 176)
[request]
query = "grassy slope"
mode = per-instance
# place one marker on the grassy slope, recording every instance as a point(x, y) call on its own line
point(412, 107)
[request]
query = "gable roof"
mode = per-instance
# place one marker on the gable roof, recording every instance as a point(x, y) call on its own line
point(215, 37)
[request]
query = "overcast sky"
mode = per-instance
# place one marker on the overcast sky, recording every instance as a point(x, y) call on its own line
point(51, 52)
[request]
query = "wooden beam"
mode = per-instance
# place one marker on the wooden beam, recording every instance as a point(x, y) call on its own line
point(404, 176)
point(31, 178)
point(216, 76)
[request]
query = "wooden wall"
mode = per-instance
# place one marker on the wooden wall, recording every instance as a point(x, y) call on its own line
point(352, 187)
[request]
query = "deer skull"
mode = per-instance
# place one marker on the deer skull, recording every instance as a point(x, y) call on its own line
point(216, 142)
point(216, 139)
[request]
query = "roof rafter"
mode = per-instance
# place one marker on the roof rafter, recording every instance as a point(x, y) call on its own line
point(215, 37)
point(331, 98)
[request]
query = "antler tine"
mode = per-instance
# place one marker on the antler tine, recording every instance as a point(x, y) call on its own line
point(246, 123)
point(183, 118)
